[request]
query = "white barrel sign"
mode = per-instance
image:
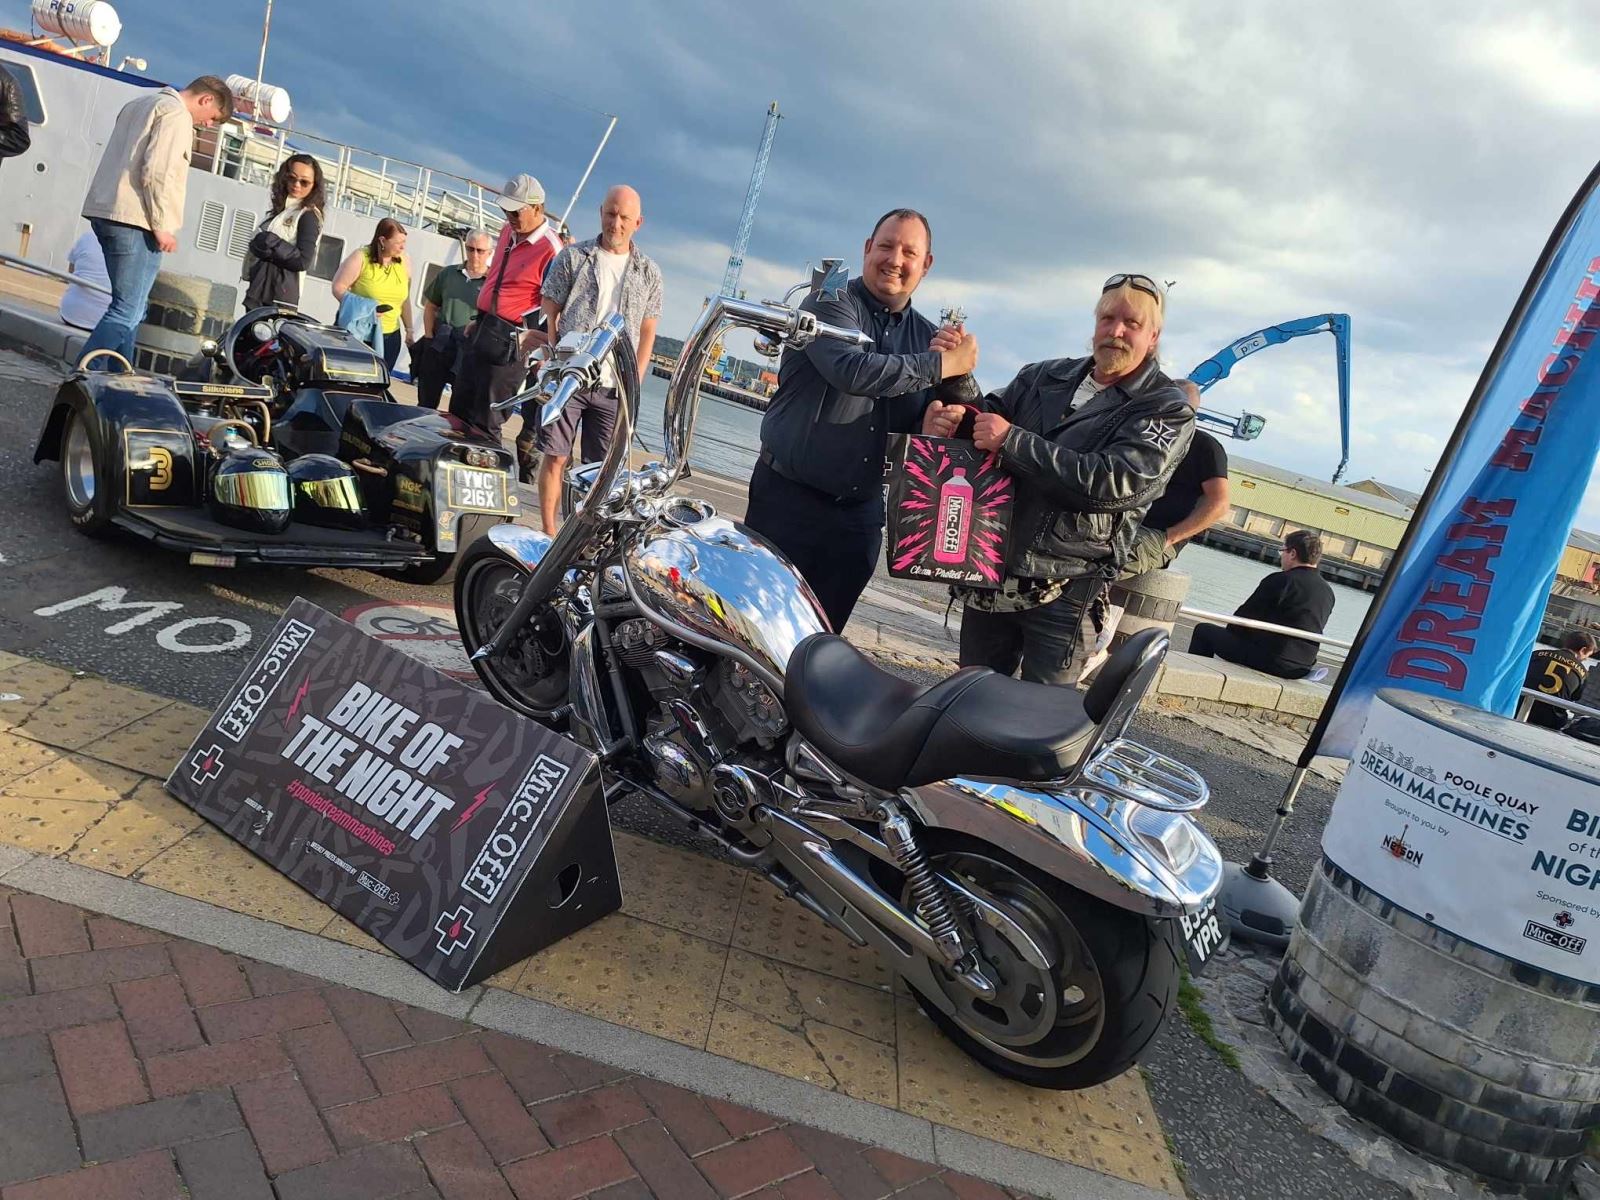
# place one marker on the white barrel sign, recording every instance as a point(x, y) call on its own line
point(1482, 826)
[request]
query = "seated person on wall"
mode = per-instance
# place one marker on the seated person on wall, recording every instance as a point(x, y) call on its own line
point(1558, 672)
point(1296, 596)
point(1196, 499)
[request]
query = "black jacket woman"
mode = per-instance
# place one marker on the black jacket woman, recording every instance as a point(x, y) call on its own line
point(285, 244)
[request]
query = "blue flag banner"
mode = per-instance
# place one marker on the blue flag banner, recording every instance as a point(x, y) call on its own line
point(1461, 603)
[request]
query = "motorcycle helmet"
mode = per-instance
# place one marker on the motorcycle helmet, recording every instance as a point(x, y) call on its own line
point(250, 490)
point(325, 492)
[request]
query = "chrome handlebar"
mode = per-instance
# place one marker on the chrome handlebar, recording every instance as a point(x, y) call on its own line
point(576, 364)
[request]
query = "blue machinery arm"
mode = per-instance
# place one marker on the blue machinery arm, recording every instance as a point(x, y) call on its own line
point(1249, 425)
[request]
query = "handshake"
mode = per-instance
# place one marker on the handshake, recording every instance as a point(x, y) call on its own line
point(958, 356)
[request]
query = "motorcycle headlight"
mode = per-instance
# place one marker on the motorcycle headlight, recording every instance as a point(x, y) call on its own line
point(261, 331)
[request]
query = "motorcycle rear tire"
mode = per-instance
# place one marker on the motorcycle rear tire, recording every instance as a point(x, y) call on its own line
point(484, 566)
point(1136, 961)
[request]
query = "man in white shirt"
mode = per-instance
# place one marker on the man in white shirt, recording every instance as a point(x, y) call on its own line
point(84, 306)
point(586, 284)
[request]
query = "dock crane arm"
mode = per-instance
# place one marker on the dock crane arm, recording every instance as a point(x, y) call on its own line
point(1249, 425)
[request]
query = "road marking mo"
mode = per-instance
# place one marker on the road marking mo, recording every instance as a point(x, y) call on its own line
point(179, 637)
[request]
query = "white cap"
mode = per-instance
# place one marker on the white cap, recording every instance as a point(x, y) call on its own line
point(521, 191)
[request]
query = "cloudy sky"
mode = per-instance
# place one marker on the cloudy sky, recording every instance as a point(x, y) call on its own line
point(1400, 163)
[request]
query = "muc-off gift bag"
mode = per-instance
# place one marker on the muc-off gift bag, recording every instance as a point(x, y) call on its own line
point(950, 508)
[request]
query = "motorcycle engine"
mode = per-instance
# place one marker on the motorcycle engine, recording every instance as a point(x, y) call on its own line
point(702, 713)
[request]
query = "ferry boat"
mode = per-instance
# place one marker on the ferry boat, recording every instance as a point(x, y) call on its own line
point(72, 104)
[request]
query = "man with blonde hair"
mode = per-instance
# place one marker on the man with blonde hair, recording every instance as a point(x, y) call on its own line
point(1091, 443)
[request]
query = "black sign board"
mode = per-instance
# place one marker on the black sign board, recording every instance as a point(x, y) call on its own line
point(462, 836)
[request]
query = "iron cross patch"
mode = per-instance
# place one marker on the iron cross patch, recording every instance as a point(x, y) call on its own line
point(1158, 433)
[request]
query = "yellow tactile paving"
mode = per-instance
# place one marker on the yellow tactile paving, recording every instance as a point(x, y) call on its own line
point(44, 826)
point(704, 954)
point(633, 973)
point(683, 891)
point(209, 865)
point(86, 710)
point(20, 755)
point(135, 831)
point(33, 684)
point(151, 744)
point(771, 925)
point(75, 777)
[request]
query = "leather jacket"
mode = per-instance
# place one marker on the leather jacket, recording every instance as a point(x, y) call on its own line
point(15, 137)
point(1084, 479)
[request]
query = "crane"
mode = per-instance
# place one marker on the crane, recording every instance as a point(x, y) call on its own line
point(1249, 425)
point(747, 218)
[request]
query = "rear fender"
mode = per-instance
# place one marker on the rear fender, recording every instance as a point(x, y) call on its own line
point(144, 430)
point(1159, 864)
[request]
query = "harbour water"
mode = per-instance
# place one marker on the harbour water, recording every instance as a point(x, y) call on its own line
point(727, 436)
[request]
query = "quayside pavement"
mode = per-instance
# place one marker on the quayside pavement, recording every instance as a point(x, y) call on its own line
point(139, 1066)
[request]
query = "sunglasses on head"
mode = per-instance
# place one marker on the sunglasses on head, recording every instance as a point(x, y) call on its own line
point(1140, 283)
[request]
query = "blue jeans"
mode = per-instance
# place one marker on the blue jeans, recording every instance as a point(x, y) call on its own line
point(132, 261)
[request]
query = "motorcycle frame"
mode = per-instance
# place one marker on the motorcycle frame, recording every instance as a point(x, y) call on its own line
point(1113, 828)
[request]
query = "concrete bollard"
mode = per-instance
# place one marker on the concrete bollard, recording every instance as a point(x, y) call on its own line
point(184, 310)
point(1457, 1008)
point(1148, 601)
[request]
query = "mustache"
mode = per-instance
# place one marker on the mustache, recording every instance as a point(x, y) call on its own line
point(1112, 344)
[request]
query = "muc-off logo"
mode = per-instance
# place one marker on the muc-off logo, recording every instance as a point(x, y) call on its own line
point(1571, 943)
point(515, 826)
point(247, 704)
point(379, 889)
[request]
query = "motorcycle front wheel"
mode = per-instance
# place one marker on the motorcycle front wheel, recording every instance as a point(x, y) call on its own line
point(1079, 1024)
point(531, 676)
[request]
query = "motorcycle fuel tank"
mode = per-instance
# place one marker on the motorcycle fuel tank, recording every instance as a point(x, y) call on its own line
point(720, 586)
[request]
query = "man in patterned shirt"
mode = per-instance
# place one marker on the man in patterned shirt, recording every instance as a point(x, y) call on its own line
point(586, 284)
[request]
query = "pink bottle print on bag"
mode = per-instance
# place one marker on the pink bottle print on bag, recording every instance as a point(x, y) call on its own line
point(955, 519)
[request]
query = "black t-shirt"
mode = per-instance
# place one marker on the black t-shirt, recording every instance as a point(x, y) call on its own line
point(1555, 673)
point(1205, 460)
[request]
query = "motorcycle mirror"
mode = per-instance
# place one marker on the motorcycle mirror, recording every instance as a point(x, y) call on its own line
point(210, 349)
point(828, 280)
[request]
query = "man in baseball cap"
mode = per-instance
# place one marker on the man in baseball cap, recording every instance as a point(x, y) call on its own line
point(494, 363)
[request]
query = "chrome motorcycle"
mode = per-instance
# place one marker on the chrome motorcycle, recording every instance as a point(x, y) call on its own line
point(1031, 872)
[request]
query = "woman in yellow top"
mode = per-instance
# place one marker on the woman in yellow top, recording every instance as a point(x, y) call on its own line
point(381, 272)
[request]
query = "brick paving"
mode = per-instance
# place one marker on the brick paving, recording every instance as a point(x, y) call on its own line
point(134, 1066)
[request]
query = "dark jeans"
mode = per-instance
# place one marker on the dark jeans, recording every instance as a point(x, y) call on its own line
point(834, 546)
point(1218, 641)
point(1046, 642)
point(431, 370)
point(479, 385)
point(133, 260)
point(391, 348)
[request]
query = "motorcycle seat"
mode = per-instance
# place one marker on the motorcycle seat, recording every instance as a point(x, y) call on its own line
point(891, 733)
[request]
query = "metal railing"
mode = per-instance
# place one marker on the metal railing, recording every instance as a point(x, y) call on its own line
point(1323, 640)
point(12, 260)
point(1532, 695)
point(355, 179)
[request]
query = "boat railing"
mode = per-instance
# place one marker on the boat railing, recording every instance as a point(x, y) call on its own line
point(355, 179)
